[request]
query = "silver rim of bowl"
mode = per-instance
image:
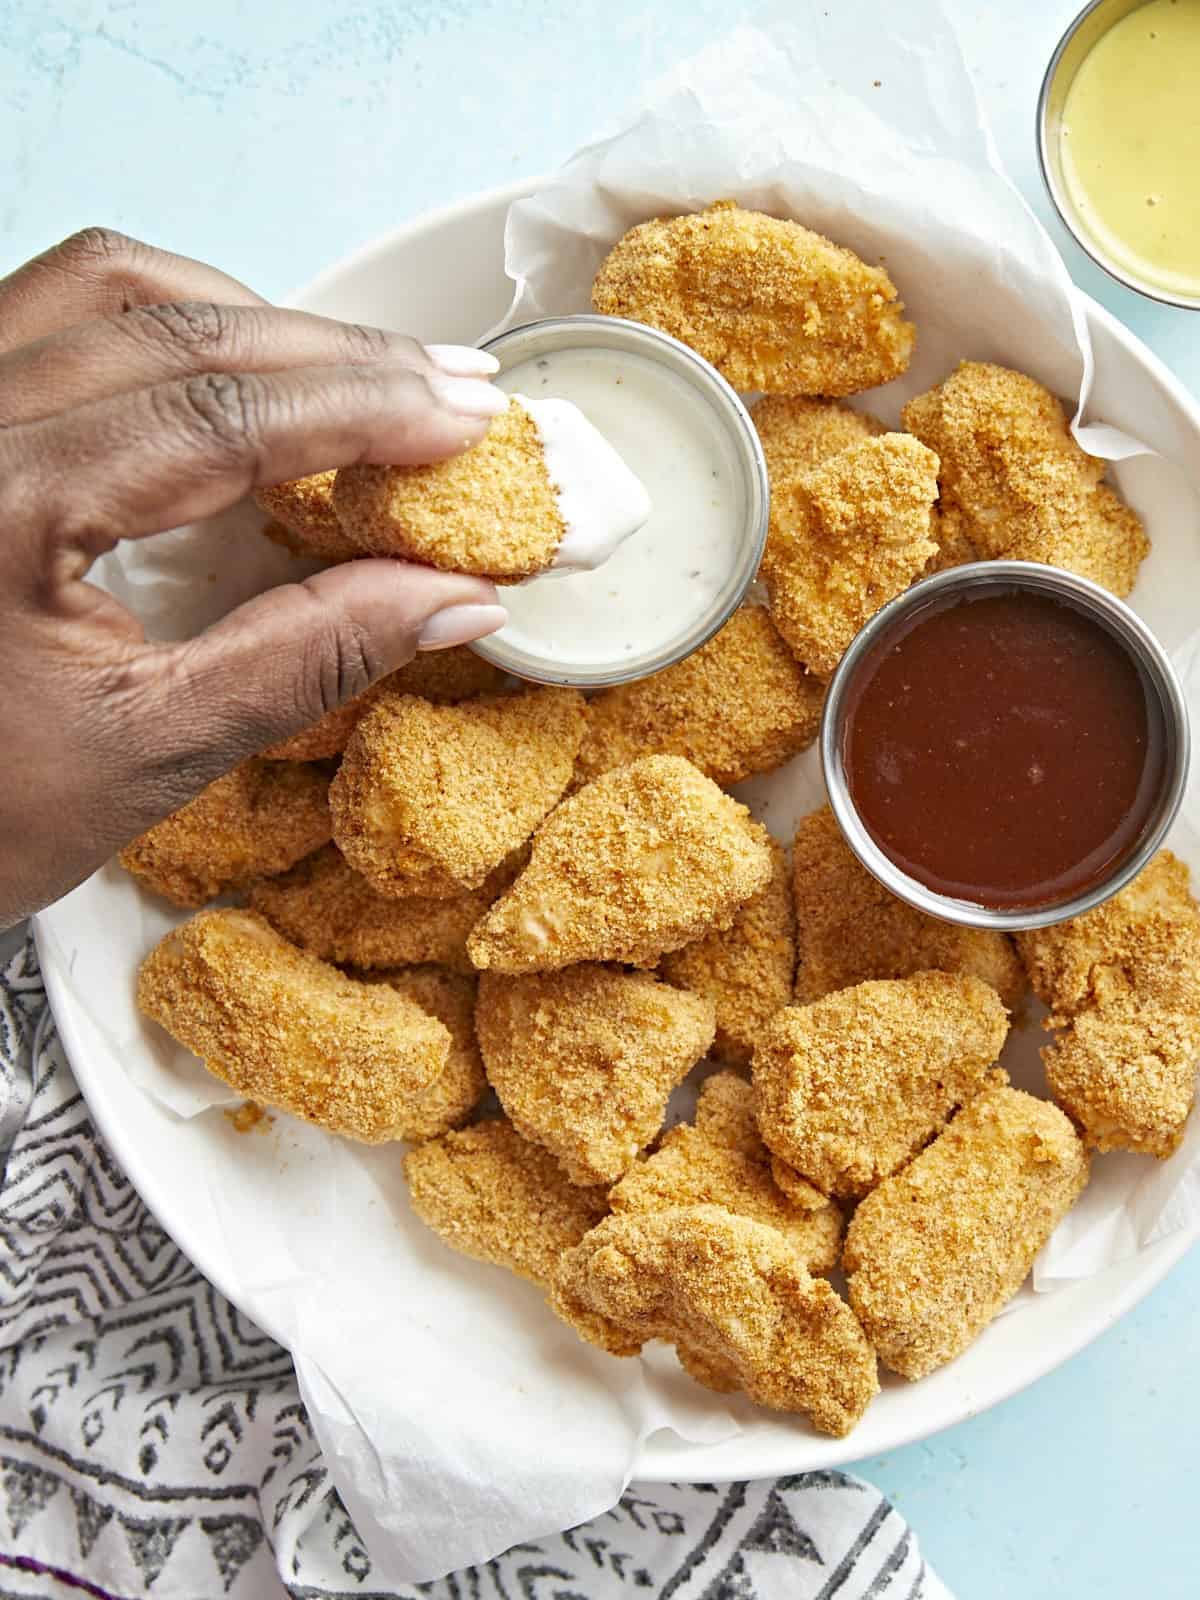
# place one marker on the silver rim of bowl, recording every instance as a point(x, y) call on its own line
point(590, 329)
point(1088, 597)
point(1048, 156)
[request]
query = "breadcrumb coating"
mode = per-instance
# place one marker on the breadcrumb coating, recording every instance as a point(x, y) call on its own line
point(491, 511)
point(947, 529)
point(492, 1195)
point(304, 520)
point(331, 911)
point(642, 860)
point(286, 1030)
point(844, 539)
point(1013, 473)
point(799, 432)
point(850, 1088)
point(849, 927)
point(431, 799)
point(735, 1299)
point(256, 821)
point(740, 704)
point(584, 1060)
point(443, 676)
point(938, 1250)
point(451, 1098)
point(747, 969)
point(771, 304)
point(721, 1160)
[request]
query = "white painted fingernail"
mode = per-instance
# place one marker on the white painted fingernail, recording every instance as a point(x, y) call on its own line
point(469, 397)
point(462, 360)
point(459, 625)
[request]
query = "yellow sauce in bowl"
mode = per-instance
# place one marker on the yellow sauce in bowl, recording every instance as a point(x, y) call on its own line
point(1130, 145)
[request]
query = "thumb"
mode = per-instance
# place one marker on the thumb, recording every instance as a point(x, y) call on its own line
point(279, 663)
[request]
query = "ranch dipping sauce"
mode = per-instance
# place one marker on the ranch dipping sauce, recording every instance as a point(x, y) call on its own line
point(1005, 749)
point(669, 572)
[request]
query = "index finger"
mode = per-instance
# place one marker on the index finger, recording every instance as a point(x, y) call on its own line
point(98, 272)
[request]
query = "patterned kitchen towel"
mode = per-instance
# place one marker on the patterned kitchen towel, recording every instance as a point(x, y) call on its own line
point(153, 1443)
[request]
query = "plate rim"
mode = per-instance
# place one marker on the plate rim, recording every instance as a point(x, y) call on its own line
point(662, 1456)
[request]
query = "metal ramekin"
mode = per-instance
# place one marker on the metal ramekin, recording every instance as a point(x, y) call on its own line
point(1090, 25)
point(1093, 601)
point(586, 331)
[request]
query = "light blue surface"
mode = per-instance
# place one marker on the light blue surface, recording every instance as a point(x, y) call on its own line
point(272, 139)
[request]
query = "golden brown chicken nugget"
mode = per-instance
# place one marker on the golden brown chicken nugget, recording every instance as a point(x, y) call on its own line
point(1062, 960)
point(850, 928)
point(740, 704)
point(443, 676)
point(1124, 1065)
point(492, 511)
point(585, 1060)
point(431, 799)
point(799, 432)
point(304, 520)
point(735, 1299)
point(720, 1159)
point(331, 911)
point(286, 1030)
point(451, 1098)
point(947, 529)
point(747, 969)
point(492, 1195)
point(771, 304)
point(1018, 483)
point(644, 859)
point(938, 1250)
point(849, 1088)
point(257, 820)
point(845, 539)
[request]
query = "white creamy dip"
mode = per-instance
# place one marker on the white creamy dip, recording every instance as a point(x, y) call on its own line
point(601, 501)
point(663, 578)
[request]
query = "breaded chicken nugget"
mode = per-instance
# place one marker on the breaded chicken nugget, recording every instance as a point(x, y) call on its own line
point(443, 676)
point(798, 432)
point(771, 304)
point(746, 970)
point(304, 521)
point(845, 539)
point(642, 860)
point(1062, 960)
point(721, 1160)
point(740, 704)
point(849, 1088)
point(1022, 488)
point(451, 1098)
point(849, 927)
point(494, 1196)
point(584, 1060)
point(331, 911)
point(491, 511)
point(431, 799)
point(1124, 1066)
point(947, 529)
point(1123, 983)
point(257, 820)
point(937, 1251)
point(734, 1298)
point(286, 1030)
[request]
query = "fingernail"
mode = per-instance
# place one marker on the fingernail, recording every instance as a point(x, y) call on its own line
point(470, 397)
point(459, 625)
point(462, 360)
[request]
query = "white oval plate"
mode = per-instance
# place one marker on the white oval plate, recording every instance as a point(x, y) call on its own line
point(441, 277)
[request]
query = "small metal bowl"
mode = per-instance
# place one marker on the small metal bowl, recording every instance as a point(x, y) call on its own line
point(1093, 601)
point(1092, 23)
point(587, 331)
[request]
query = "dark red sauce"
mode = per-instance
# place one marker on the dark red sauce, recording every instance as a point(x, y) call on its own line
point(1005, 749)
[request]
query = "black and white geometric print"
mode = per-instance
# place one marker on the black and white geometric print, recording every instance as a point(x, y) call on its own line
point(153, 1443)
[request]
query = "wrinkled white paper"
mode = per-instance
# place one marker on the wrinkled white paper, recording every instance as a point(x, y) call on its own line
point(506, 1427)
